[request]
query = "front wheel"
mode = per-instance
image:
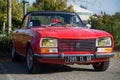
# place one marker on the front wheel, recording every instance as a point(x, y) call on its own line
point(101, 66)
point(32, 64)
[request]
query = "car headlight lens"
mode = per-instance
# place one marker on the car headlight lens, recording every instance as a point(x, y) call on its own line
point(49, 42)
point(104, 42)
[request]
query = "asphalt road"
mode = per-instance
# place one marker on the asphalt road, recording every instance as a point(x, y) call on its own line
point(17, 71)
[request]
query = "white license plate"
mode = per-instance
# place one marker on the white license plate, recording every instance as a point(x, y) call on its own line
point(78, 58)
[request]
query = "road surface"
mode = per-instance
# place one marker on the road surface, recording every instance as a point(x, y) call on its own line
point(17, 71)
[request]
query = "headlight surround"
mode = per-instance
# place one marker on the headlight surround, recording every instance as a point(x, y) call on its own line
point(49, 42)
point(104, 42)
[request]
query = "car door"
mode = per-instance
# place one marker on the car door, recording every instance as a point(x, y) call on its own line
point(20, 36)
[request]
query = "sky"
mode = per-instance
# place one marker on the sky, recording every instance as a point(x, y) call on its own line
point(96, 6)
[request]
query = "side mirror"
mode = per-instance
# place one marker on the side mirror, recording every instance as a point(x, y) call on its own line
point(88, 26)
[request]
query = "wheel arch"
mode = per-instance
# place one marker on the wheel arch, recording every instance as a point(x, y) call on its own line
point(28, 45)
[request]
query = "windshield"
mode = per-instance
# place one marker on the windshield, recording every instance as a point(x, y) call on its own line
point(55, 19)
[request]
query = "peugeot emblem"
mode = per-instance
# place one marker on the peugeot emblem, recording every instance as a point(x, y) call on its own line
point(78, 45)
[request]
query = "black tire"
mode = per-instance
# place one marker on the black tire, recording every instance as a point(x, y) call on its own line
point(32, 64)
point(101, 66)
point(14, 55)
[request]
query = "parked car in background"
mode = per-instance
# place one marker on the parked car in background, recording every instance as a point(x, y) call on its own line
point(60, 38)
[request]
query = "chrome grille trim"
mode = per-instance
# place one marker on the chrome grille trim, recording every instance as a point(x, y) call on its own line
point(77, 45)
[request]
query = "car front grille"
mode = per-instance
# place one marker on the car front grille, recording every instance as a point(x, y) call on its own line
point(77, 45)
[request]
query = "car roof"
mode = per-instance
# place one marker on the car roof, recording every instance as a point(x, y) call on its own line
point(54, 12)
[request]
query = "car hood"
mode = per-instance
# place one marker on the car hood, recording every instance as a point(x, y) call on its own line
point(70, 32)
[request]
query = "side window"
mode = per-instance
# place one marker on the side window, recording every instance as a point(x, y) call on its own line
point(75, 21)
point(25, 22)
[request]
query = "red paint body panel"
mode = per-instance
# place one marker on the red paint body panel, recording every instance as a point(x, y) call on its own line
point(70, 32)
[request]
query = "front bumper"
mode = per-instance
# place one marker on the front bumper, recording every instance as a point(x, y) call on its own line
point(62, 55)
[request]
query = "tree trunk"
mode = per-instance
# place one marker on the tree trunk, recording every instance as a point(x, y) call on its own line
point(3, 29)
point(9, 21)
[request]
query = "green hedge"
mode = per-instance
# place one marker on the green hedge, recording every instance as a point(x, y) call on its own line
point(5, 42)
point(116, 35)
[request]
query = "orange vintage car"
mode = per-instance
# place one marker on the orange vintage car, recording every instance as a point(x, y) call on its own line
point(60, 38)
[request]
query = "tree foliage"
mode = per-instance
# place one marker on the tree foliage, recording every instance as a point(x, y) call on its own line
point(3, 11)
point(17, 13)
point(52, 5)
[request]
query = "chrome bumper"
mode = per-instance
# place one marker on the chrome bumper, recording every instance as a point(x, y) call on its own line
point(62, 55)
point(105, 55)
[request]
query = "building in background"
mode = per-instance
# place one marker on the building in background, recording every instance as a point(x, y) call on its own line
point(83, 13)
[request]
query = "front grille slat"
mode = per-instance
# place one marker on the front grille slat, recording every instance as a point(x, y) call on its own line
point(77, 45)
